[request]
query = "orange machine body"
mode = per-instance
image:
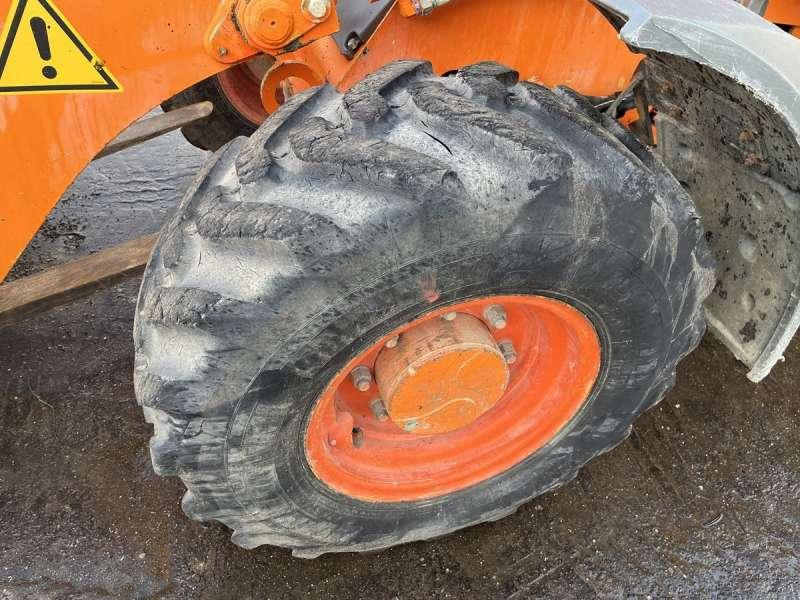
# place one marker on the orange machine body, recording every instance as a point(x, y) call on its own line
point(156, 49)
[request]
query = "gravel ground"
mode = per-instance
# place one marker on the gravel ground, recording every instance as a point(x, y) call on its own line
point(702, 500)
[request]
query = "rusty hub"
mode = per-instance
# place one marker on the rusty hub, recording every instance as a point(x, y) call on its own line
point(442, 375)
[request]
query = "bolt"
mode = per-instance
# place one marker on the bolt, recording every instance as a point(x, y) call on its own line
point(358, 437)
point(332, 441)
point(362, 378)
point(451, 316)
point(424, 7)
point(222, 51)
point(392, 343)
point(496, 316)
point(378, 409)
point(411, 425)
point(317, 9)
point(509, 352)
point(353, 42)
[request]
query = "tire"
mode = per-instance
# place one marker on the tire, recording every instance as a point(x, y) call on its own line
point(224, 124)
point(297, 248)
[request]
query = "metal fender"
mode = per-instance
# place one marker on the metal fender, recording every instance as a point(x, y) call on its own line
point(725, 86)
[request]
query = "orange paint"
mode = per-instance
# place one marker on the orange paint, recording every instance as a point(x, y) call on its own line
point(154, 48)
point(282, 72)
point(240, 28)
point(558, 361)
point(442, 375)
point(783, 12)
point(556, 42)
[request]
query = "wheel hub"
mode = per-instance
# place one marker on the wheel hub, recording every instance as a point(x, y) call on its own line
point(441, 375)
point(452, 398)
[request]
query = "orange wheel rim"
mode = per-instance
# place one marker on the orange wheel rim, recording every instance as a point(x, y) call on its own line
point(366, 448)
point(242, 87)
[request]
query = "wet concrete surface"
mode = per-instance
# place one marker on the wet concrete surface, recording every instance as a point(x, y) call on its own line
point(702, 500)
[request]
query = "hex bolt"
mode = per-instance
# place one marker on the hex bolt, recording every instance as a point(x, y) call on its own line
point(362, 378)
point(451, 316)
point(222, 51)
point(358, 437)
point(353, 42)
point(509, 352)
point(496, 316)
point(411, 425)
point(378, 409)
point(317, 8)
point(392, 343)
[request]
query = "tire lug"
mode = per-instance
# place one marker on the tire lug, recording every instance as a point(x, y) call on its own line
point(509, 352)
point(496, 316)
point(362, 378)
point(379, 409)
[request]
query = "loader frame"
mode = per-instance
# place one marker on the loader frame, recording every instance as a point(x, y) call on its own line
point(156, 49)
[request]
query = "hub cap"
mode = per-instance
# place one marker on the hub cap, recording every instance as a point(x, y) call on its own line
point(442, 375)
point(453, 398)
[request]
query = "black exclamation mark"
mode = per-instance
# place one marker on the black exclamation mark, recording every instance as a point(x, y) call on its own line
point(39, 28)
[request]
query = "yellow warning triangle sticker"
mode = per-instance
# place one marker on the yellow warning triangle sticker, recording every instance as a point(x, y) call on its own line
point(41, 53)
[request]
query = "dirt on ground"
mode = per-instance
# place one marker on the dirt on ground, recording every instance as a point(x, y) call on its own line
point(702, 500)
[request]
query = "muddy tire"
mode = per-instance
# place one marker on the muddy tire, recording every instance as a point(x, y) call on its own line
point(224, 124)
point(301, 246)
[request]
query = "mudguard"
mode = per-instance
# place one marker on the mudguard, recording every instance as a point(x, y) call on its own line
point(725, 84)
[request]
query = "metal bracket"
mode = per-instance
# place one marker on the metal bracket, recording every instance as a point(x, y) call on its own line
point(242, 28)
point(358, 21)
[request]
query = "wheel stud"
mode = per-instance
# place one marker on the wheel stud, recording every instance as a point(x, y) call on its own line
point(379, 409)
point(509, 352)
point(392, 343)
point(358, 437)
point(496, 316)
point(362, 378)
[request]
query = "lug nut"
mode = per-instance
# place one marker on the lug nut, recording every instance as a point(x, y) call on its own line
point(509, 352)
point(451, 316)
point(496, 316)
point(378, 409)
point(392, 343)
point(358, 437)
point(316, 9)
point(362, 378)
